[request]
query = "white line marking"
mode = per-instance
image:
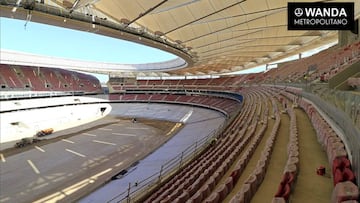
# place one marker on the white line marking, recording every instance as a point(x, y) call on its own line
point(139, 128)
point(119, 164)
point(40, 149)
point(88, 134)
point(106, 129)
point(132, 135)
point(5, 199)
point(177, 125)
point(186, 116)
point(102, 142)
point(2, 158)
point(69, 141)
point(59, 195)
point(36, 170)
point(76, 153)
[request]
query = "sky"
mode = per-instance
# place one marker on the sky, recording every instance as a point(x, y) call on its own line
point(48, 40)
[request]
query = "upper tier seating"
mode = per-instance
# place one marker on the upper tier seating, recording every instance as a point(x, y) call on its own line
point(23, 78)
point(10, 78)
point(317, 68)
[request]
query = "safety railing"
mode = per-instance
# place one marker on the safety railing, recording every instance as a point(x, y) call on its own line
point(351, 133)
point(7, 95)
point(343, 108)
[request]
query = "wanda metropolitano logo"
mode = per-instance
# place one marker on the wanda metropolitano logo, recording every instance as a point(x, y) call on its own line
point(321, 16)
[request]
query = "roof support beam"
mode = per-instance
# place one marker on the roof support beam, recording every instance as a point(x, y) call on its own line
point(146, 12)
point(238, 51)
point(246, 14)
point(74, 6)
point(218, 11)
point(227, 47)
point(229, 27)
point(258, 29)
point(258, 38)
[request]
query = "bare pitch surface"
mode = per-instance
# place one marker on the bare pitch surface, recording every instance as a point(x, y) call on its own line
point(199, 124)
point(78, 160)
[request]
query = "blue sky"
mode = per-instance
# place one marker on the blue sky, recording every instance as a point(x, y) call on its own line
point(66, 43)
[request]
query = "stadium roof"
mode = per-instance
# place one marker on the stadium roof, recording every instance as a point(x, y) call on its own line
point(212, 36)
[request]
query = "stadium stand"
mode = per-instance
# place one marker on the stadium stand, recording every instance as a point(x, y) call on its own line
point(225, 105)
point(319, 67)
point(26, 78)
point(289, 134)
point(336, 153)
point(11, 79)
point(224, 84)
point(312, 72)
point(232, 167)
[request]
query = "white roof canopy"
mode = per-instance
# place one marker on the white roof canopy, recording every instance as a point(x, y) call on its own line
point(212, 36)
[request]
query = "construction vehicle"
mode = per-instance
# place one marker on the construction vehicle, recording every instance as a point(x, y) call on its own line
point(44, 132)
point(26, 141)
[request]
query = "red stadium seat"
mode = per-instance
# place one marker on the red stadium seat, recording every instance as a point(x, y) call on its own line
point(348, 175)
point(338, 176)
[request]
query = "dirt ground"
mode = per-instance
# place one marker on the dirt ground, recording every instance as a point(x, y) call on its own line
point(162, 125)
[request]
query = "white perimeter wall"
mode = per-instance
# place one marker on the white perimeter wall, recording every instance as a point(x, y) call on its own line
point(26, 123)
